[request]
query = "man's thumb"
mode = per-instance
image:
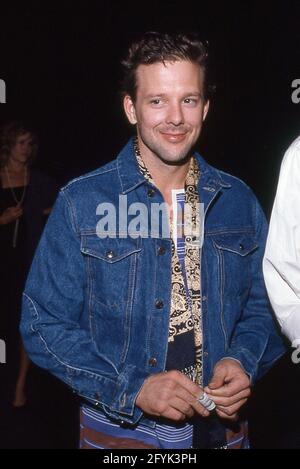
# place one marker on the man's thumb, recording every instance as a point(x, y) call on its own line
point(218, 378)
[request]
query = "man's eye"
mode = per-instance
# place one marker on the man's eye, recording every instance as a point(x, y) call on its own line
point(189, 101)
point(155, 101)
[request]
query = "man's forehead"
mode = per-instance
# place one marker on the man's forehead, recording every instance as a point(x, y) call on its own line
point(161, 66)
point(168, 72)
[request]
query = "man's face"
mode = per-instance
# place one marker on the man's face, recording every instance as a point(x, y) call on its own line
point(169, 109)
point(22, 149)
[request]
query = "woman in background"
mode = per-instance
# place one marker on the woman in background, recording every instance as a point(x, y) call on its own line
point(26, 196)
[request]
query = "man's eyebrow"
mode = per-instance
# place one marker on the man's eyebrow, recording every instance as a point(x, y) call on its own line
point(194, 93)
point(155, 95)
point(163, 95)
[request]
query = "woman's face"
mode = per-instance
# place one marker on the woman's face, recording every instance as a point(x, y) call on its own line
point(22, 149)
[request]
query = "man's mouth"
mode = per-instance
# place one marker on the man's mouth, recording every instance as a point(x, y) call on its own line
point(174, 138)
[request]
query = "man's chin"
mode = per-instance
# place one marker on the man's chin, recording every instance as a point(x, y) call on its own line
point(176, 160)
point(176, 154)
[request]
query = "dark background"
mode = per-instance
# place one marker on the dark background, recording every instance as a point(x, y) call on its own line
point(60, 62)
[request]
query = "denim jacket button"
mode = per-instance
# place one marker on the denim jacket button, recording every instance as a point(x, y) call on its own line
point(152, 361)
point(205, 354)
point(241, 247)
point(161, 251)
point(110, 254)
point(123, 400)
point(159, 304)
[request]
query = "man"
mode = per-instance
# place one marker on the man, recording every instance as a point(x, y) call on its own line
point(282, 256)
point(137, 322)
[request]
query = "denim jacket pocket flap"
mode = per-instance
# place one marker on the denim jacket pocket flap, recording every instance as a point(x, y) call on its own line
point(241, 244)
point(109, 249)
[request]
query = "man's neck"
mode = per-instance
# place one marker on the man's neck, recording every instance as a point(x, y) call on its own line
point(171, 177)
point(166, 176)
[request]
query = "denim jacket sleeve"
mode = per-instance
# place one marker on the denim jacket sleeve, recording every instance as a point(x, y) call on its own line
point(256, 343)
point(51, 326)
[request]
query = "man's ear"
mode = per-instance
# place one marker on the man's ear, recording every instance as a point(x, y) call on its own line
point(205, 110)
point(129, 109)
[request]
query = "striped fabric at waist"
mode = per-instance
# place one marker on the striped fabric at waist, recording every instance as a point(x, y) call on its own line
point(97, 431)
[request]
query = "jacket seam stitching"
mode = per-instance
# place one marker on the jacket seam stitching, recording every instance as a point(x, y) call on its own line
point(56, 357)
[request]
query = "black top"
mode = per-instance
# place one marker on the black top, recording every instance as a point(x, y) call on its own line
point(7, 231)
point(15, 261)
point(40, 194)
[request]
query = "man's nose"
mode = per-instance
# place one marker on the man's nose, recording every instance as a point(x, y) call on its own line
point(175, 114)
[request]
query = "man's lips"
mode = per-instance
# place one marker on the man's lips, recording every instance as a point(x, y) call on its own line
point(174, 138)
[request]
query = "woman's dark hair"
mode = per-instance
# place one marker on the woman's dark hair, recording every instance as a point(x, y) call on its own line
point(155, 47)
point(9, 134)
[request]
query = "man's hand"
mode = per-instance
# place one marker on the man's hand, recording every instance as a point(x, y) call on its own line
point(170, 395)
point(229, 388)
point(11, 214)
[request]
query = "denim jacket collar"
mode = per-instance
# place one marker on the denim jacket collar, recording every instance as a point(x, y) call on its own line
point(210, 183)
point(128, 170)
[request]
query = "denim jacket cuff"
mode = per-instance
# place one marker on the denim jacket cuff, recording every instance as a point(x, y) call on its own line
point(128, 386)
point(246, 360)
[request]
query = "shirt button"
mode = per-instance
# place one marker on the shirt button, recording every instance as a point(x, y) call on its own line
point(110, 254)
point(159, 304)
point(205, 354)
point(152, 361)
point(151, 192)
point(161, 251)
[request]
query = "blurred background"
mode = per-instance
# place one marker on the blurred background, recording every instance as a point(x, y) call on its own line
point(60, 63)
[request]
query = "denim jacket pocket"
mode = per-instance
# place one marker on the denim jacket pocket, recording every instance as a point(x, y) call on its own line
point(111, 267)
point(234, 254)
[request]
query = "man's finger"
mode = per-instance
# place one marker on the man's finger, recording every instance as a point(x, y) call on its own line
point(189, 398)
point(218, 378)
point(232, 410)
point(229, 389)
point(192, 388)
point(222, 415)
point(182, 406)
point(174, 415)
point(228, 401)
point(199, 409)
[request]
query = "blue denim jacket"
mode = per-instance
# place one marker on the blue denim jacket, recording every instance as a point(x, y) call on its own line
point(90, 312)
